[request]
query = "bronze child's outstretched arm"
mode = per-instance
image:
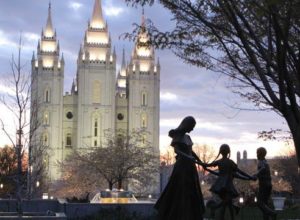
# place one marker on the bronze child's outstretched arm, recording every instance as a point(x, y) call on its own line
point(242, 175)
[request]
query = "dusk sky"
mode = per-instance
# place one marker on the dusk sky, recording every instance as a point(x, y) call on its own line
point(185, 90)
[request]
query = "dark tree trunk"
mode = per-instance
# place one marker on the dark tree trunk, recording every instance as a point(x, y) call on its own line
point(19, 176)
point(110, 185)
point(294, 126)
point(120, 184)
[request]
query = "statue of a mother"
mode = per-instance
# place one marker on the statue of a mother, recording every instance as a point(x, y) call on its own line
point(182, 197)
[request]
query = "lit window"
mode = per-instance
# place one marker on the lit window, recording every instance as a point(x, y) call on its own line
point(144, 121)
point(144, 138)
point(45, 140)
point(46, 118)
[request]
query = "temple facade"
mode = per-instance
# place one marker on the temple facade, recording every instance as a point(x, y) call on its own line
point(101, 97)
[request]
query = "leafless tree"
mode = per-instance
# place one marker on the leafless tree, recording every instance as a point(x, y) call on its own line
point(205, 152)
point(123, 158)
point(256, 43)
point(168, 157)
point(17, 101)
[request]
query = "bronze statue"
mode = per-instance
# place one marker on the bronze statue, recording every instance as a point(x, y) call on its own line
point(223, 186)
point(264, 183)
point(182, 197)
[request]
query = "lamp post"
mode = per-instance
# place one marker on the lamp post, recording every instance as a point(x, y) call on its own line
point(1, 186)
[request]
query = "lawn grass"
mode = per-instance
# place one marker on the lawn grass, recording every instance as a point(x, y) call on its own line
point(246, 213)
point(253, 213)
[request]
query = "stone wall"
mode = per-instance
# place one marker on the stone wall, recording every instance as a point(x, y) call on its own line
point(75, 210)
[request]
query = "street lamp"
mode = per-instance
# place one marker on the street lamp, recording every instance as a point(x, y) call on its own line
point(241, 200)
point(1, 185)
point(37, 183)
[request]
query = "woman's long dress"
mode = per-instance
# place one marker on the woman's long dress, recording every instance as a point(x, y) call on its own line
point(182, 197)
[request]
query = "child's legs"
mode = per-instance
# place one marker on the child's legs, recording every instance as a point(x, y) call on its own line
point(230, 206)
point(222, 212)
point(264, 194)
point(227, 201)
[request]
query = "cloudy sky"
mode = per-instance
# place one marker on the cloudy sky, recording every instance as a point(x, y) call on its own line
point(185, 90)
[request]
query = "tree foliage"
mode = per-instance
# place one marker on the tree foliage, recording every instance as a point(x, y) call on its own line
point(9, 171)
point(288, 178)
point(121, 160)
point(254, 42)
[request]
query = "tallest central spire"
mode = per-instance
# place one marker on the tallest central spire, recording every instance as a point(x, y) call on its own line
point(49, 32)
point(97, 19)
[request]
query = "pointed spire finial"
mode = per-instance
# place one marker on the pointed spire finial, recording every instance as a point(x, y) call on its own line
point(49, 32)
point(114, 52)
point(62, 58)
point(123, 59)
point(33, 56)
point(73, 88)
point(143, 17)
point(97, 19)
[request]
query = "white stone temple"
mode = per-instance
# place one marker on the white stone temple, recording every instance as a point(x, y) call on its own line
point(102, 97)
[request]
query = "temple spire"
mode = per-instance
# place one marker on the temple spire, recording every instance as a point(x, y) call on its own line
point(143, 18)
point(143, 46)
point(33, 56)
point(49, 32)
point(97, 18)
point(123, 59)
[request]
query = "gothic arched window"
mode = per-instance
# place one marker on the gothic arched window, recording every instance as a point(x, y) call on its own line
point(144, 138)
point(96, 91)
point(144, 120)
point(96, 127)
point(144, 98)
point(69, 140)
point(46, 118)
point(47, 95)
point(45, 139)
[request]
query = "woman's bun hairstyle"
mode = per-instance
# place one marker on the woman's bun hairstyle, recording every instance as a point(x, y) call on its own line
point(172, 133)
point(181, 129)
